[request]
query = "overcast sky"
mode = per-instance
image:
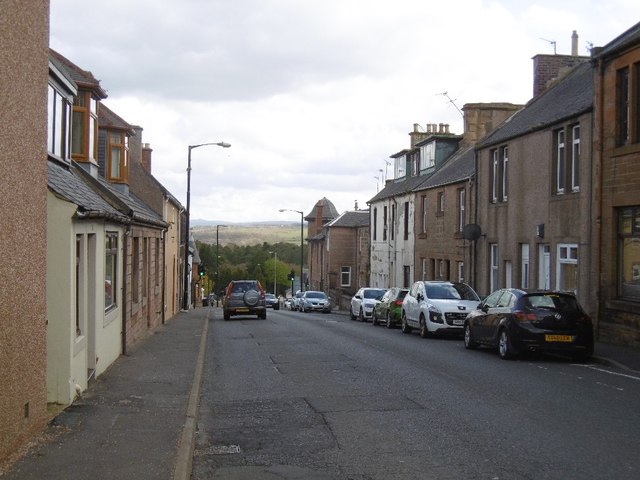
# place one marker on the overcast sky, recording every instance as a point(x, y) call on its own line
point(313, 95)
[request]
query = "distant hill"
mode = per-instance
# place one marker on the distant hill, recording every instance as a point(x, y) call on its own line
point(198, 222)
point(244, 234)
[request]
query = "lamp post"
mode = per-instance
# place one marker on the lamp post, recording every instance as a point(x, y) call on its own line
point(275, 272)
point(218, 260)
point(185, 299)
point(301, 244)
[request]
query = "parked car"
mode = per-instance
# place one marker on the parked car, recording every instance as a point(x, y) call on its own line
point(516, 321)
point(271, 301)
point(389, 309)
point(244, 297)
point(437, 307)
point(287, 303)
point(313, 301)
point(295, 300)
point(363, 301)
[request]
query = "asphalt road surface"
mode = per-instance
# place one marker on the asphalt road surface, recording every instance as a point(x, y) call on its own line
point(318, 396)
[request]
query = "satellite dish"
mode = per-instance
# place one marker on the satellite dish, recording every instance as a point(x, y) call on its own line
point(471, 231)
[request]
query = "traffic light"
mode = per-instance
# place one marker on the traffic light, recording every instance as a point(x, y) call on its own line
point(201, 270)
point(292, 276)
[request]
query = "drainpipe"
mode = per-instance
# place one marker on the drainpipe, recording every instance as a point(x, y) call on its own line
point(473, 251)
point(596, 192)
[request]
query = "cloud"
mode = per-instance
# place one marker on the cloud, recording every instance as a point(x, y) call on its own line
point(313, 95)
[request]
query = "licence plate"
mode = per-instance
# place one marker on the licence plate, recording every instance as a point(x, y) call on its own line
point(242, 309)
point(558, 338)
point(458, 322)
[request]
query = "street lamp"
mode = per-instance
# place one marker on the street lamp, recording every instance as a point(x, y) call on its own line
point(301, 244)
point(185, 299)
point(218, 260)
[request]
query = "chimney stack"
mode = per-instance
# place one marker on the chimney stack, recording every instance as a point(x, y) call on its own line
point(146, 157)
point(574, 44)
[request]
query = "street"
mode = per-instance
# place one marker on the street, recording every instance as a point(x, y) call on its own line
point(318, 396)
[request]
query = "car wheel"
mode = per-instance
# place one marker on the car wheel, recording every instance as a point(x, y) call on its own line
point(374, 318)
point(351, 315)
point(424, 331)
point(405, 326)
point(226, 316)
point(361, 315)
point(505, 349)
point(263, 315)
point(469, 342)
point(388, 322)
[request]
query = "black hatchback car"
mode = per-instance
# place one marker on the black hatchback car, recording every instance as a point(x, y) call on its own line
point(516, 321)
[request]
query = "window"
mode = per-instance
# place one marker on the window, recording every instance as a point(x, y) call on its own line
point(504, 173)
point(423, 226)
point(424, 264)
point(429, 154)
point(110, 269)
point(499, 174)
point(462, 198)
point(406, 220)
point(400, 167)
point(406, 270)
point(117, 156)
point(524, 265)
point(622, 106)
point(393, 221)
point(345, 276)
point(567, 275)
point(560, 161)
point(85, 127)
point(440, 203)
point(375, 224)
point(58, 118)
point(493, 271)
point(629, 253)
point(460, 268)
point(494, 176)
point(575, 158)
point(384, 223)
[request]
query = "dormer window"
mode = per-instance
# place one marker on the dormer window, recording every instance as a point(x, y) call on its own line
point(429, 155)
point(58, 117)
point(85, 128)
point(118, 152)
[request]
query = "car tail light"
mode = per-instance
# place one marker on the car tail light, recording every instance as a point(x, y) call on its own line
point(398, 303)
point(524, 316)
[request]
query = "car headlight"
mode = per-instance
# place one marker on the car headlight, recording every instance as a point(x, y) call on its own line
point(435, 315)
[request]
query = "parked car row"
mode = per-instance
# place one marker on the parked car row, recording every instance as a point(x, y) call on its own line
point(511, 320)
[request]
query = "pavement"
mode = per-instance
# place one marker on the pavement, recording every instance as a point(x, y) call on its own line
point(138, 420)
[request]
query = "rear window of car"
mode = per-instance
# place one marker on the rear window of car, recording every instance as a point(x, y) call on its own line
point(373, 293)
point(564, 303)
point(402, 294)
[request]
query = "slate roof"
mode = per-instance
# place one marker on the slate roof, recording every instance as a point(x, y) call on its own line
point(461, 166)
point(394, 188)
point(67, 182)
point(329, 210)
point(83, 78)
point(107, 118)
point(351, 219)
point(630, 37)
point(138, 210)
point(570, 96)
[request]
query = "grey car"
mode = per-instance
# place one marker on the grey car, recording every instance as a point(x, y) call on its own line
point(313, 301)
point(244, 297)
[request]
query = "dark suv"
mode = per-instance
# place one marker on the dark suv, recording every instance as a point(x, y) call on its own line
point(244, 297)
